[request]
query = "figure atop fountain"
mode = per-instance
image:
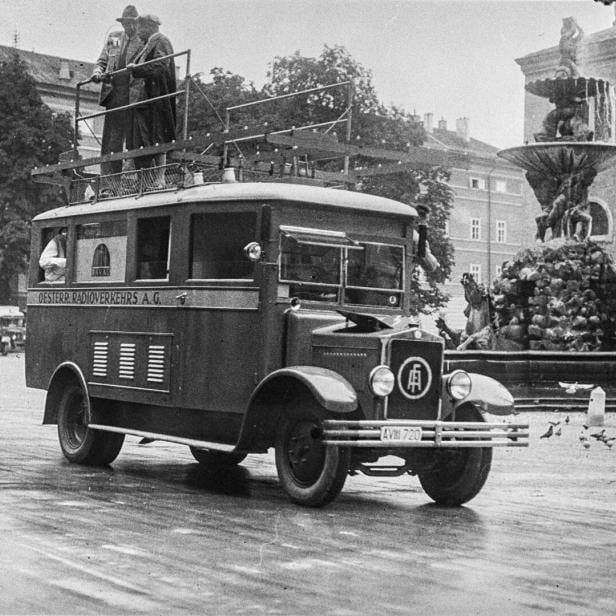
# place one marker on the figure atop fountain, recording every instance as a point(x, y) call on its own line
point(566, 120)
point(570, 35)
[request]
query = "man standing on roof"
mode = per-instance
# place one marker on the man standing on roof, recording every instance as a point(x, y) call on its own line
point(115, 88)
point(155, 122)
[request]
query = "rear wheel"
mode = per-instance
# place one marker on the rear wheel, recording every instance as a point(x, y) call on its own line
point(79, 443)
point(455, 476)
point(311, 473)
point(211, 457)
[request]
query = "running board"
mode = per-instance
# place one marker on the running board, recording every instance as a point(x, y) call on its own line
point(165, 437)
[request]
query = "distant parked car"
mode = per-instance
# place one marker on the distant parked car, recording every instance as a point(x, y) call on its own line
point(12, 329)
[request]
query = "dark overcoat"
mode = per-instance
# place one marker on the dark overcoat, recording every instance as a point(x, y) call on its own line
point(155, 122)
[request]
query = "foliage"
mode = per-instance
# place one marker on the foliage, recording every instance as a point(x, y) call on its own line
point(30, 135)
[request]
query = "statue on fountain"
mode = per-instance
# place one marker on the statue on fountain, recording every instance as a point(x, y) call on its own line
point(565, 205)
point(566, 121)
point(570, 36)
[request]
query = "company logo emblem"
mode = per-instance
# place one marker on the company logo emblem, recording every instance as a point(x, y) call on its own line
point(414, 378)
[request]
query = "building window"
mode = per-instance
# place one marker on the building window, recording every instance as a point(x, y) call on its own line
point(475, 270)
point(498, 270)
point(477, 183)
point(501, 231)
point(446, 228)
point(500, 186)
point(101, 262)
point(475, 228)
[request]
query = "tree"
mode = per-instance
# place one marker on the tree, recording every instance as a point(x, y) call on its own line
point(374, 124)
point(30, 135)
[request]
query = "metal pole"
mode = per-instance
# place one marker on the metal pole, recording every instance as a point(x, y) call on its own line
point(133, 105)
point(282, 96)
point(186, 96)
point(225, 147)
point(348, 124)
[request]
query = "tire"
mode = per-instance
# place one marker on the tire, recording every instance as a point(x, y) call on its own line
point(5, 348)
point(311, 473)
point(211, 457)
point(79, 444)
point(453, 477)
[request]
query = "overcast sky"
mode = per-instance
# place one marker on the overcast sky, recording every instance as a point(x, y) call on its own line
point(453, 58)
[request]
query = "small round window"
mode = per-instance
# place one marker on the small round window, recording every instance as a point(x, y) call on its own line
point(101, 263)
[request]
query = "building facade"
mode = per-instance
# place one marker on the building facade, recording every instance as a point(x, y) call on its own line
point(487, 225)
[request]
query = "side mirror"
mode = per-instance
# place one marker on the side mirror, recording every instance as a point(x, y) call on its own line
point(253, 251)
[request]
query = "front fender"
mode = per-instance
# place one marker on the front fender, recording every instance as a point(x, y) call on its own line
point(293, 384)
point(332, 391)
point(489, 395)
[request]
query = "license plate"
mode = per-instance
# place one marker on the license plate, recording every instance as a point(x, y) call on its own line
point(400, 433)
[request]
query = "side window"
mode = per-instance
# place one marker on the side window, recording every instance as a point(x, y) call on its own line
point(217, 245)
point(52, 258)
point(153, 248)
point(101, 252)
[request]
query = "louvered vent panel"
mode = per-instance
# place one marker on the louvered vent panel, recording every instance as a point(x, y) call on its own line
point(127, 361)
point(100, 359)
point(156, 363)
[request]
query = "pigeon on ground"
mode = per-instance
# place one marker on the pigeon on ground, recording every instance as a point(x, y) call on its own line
point(599, 435)
point(549, 432)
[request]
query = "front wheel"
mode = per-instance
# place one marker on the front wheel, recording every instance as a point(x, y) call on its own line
point(455, 476)
point(311, 473)
point(5, 348)
point(79, 443)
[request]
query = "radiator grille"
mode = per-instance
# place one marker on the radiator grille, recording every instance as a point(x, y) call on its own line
point(417, 366)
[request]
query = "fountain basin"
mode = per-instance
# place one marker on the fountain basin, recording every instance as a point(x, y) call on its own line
point(557, 158)
point(555, 88)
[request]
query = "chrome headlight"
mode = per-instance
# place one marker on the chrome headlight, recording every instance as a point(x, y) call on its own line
point(459, 384)
point(381, 381)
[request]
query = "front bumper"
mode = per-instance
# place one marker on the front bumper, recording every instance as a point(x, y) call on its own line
point(454, 434)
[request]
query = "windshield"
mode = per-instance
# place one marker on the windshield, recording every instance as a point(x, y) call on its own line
point(350, 272)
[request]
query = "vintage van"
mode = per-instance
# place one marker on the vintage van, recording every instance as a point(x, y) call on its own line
point(237, 317)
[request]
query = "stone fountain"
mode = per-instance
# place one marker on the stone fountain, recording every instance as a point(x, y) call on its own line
point(576, 141)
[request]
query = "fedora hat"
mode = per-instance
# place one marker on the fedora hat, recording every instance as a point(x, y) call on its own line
point(148, 19)
point(128, 14)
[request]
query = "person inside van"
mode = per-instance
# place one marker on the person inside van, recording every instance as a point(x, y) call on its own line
point(53, 257)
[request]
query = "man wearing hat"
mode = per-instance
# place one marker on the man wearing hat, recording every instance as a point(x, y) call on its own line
point(115, 88)
point(155, 122)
